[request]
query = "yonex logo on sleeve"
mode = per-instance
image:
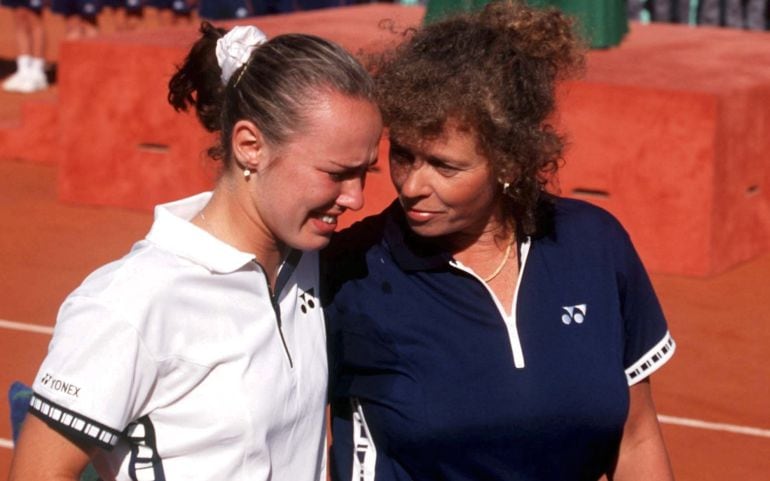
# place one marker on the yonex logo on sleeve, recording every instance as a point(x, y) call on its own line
point(574, 313)
point(58, 385)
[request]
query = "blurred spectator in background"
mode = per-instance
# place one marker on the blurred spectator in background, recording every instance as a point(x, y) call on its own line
point(226, 9)
point(127, 14)
point(316, 4)
point(173, 12)
point(30, 43)
point(80, 17)
point(749, 14)
point(232, 9)
point(746, 14)
point(678, 11)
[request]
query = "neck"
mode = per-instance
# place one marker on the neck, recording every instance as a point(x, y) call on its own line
point(233, 222)
point(483, 246)
point(487, 251)
point(493, 236)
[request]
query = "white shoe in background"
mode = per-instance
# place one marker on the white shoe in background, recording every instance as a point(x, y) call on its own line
point(33, 82)
point(14, 82)
point(29, 76)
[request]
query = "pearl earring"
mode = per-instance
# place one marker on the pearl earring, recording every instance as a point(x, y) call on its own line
point(246, 173)
point(506, 187)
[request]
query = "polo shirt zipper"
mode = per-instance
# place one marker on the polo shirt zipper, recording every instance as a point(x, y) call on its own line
point(511, 321)
point(277, 312)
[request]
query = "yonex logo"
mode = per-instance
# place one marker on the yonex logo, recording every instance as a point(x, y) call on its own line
point(59, 385)
point(574, 313)
point(307, 301)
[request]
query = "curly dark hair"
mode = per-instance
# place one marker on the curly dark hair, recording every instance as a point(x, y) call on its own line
point(495, 72)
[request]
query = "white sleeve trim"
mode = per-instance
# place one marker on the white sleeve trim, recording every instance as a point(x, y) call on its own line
point(651, 360)
point(364, 451)
point(73, 422)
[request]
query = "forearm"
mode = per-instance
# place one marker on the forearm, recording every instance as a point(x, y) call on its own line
point(642, 453)
point(43, 454)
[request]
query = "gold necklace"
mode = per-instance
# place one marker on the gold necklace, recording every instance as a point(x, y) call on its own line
point(502, 264)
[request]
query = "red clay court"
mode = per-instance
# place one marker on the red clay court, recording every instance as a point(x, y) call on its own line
point(669, 131)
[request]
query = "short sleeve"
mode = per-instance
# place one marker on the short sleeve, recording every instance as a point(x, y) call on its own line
point(96, 376)
point(648, 342)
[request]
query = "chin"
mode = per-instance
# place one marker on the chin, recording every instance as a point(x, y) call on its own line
point(427, 231)
point(311, 244)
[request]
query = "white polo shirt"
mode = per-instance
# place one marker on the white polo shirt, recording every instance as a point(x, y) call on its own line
point(178, 361)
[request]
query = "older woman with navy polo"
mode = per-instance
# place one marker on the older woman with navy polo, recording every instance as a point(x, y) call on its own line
point(481, 328)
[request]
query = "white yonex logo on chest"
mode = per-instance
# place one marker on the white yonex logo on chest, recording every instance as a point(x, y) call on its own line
point(307, 301)
point(576, 314)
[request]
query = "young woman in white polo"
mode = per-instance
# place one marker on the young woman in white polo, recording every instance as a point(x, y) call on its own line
point(200, 355)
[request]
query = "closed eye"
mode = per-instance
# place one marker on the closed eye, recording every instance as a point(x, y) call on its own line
point(443, 168)
point(358, 172)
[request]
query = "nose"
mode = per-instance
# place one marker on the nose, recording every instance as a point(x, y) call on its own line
point(410, 180)
point(351, 194)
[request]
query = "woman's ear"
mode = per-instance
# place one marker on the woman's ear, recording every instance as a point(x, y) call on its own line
point(249, 146)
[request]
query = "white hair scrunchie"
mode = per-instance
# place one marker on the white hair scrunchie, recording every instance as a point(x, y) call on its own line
point(235, 47)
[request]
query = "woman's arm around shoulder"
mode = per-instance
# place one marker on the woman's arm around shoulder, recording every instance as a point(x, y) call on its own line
point(642, 454)
point(42, 453)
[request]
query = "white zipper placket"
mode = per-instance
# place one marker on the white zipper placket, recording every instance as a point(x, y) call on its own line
point(509, 321)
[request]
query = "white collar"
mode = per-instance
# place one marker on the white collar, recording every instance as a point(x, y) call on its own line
point(172, 231)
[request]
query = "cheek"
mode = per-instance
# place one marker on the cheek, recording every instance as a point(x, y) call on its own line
point(317, 189)
point(469, 198)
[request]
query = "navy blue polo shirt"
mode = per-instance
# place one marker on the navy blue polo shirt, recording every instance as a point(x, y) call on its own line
point(431, 380)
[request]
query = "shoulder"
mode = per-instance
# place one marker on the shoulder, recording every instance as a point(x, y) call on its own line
point(130, 286)
point(144, 265)
point(575, 220)
point(580, 233)
point(575, 213)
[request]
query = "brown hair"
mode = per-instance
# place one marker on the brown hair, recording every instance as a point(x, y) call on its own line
point(495, 72)
point(281, 80)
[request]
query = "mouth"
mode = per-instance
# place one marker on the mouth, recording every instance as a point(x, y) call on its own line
point(325, 223)
point(329, 219)
point(419, 215)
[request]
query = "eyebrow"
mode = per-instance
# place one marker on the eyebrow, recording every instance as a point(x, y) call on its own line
point(351, 168)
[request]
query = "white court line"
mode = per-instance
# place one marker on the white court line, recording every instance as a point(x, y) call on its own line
point(23, 326)
point(699, 424)
point(6, 443)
